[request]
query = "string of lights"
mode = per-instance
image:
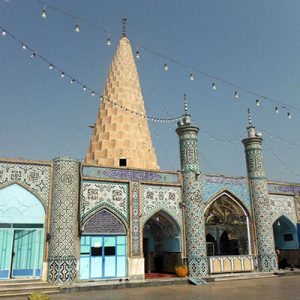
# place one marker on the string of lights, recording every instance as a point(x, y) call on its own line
point(192, 70)
point(65, 75)
point(278, 138)
point(282, 162)
point(209, 164)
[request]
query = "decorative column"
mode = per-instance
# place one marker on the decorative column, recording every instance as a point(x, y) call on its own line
point(63, 222)
point(136, 259)
point(267, 259)
point(194, 206)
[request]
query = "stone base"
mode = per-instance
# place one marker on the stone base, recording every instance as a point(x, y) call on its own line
point(136, 268)
point(267, 263)
point(198, 266)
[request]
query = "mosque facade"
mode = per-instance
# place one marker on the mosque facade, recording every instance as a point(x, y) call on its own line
point(118, 216)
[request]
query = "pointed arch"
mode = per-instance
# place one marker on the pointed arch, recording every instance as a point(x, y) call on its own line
point(27, 188)
point(165, 215)
point(226, 214)
point(20, 205)
point(284, 215)
point(103, 221)
point(230, 195)
point(285, 233)
point(108, 207)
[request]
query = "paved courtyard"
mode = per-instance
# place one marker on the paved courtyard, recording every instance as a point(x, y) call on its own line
point(283, 288)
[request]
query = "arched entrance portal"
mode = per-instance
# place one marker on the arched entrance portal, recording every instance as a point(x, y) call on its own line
point(161, 243)
point(22, 218)
point(103, 247)
point(227, 230)
point(285, 234)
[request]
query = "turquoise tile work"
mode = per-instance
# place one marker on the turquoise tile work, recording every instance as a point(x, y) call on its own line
point(126, 174)
point(212, 185)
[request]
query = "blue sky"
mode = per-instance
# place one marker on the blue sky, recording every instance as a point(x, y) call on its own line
point(253, 44)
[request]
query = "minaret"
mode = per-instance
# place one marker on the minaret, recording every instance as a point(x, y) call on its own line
point(121, 136)
point(267, 260)
point(194, 206)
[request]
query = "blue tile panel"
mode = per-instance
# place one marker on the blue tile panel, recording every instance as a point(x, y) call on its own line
point(124, 174)
point(214, 184)
point(283, 188)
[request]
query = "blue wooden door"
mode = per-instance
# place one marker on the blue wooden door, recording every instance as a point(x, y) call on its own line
point(102, 257)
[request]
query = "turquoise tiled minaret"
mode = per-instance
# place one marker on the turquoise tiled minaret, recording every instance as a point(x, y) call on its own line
point(194, 206)
point(267, 260)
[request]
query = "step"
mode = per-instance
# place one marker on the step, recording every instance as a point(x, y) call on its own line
point(104, 285)
point(244, 277)
point(20, 289)
point(12, 294)
point(15, 283)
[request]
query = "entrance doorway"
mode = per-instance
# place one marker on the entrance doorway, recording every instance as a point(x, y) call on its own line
point(21, 250)
point(21, 233)
point(227, 227)
point(285, 234)
point(161, 244)
point(102, 257)
point(103, 251)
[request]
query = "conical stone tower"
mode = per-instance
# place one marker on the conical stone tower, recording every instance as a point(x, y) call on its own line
point(121, 137)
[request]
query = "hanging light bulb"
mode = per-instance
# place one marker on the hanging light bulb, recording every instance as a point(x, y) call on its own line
point(213, 86)
point(192, 76)
point(166, 68)
point(33, 55)
point(278, 223)
point(44, 14)
point(137, 54)
point(4, 32)
point(276, 110)
point(50, 67)
point(84, 88)
point(289, 115)
point(108, 42)
point(236, 95)
point(257, 102)
point(24, 47)
point(93, 93)
point(77, 28)
point(72, 81)
point(101, 98)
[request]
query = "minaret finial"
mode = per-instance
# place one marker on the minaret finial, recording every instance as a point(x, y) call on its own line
point(185, 104)
point(124, 20)
point(249, 117)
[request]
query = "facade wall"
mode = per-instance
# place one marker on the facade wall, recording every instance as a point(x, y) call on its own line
point(98, 194)
point(213, 185)
point(25, 197)
point(132, 197)
point(159, 197)
point(32, 175)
